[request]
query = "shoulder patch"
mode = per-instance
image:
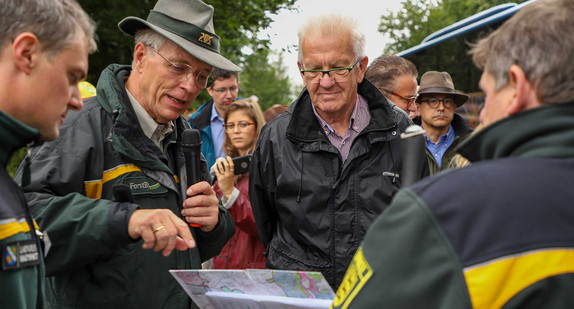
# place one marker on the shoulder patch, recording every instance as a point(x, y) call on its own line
point(20, 254)
point(358, 273)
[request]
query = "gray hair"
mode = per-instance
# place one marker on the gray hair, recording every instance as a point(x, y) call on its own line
point(56, 23)
point(333, 25)
point(537, 39)
point(385, 70)
point(150, 38)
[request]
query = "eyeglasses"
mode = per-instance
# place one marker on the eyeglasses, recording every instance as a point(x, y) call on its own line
point(224, 90)
point(434, 102)
point(184, 71)
point(337, 75)
point(229, 127)
point(407, 100)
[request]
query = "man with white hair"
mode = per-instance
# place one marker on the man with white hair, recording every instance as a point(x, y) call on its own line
point(497, 234)
point(325, 168)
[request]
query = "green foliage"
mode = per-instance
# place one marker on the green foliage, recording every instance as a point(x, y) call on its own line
point(236, 22)
point(269, 82)
point(419, 18)
point(15, 160)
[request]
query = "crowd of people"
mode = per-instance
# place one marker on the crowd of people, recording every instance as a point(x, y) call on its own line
point(101, 207)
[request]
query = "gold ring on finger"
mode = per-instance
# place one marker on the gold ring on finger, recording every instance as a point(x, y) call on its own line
point(159, 228)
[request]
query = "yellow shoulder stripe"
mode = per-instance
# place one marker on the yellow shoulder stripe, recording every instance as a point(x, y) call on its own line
point(12, 227)
point(94, 187)
point(358, 273)
point(493, 284)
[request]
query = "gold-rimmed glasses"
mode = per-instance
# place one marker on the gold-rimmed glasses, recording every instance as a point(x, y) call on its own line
point(184, 71)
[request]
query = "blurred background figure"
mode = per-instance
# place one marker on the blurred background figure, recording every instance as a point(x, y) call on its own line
point(87, 90)
point(208, 118)
point(243, 122)
point(396, 78)
point(274, 111)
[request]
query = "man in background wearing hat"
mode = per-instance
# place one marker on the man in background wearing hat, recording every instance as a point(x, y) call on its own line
point(499, 233)
point(115, 252)
point(444, 129)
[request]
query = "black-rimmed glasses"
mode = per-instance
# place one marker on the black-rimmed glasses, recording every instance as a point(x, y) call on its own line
point(338, 74)
point(434, 102)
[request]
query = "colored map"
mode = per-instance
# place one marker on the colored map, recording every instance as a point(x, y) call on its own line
point(255, 288)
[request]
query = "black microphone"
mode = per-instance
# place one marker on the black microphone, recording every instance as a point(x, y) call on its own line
point(191, 144)
point(414, 157)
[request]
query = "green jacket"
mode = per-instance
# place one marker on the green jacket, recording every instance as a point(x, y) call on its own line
point(93, 262)
point(21, 278)
point(496, 234)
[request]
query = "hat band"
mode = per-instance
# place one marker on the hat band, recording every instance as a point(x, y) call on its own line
point(437, 90)
point(198, 35)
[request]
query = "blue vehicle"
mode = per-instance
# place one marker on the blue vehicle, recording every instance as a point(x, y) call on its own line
point(434, 53)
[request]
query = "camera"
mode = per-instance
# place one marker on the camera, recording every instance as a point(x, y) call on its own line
point(241, 166)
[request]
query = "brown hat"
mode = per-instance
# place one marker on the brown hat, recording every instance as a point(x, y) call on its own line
point(440, 83)
point(187, 23)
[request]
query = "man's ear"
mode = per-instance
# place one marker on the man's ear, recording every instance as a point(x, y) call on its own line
point(299, 65)
point(26, 50)
point(362, 67)
point(522, 90)
point(140, 53)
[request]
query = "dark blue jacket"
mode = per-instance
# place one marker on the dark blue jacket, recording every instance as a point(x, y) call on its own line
point(499, 233)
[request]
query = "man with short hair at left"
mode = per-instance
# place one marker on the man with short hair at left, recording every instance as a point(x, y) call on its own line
point(112, 250)
point(44, 48)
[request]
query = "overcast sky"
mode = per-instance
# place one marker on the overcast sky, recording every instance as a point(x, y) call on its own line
point(283, 31)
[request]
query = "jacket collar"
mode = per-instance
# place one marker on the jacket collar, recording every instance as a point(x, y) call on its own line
point(202, 118)
point(127, 136)
point(459, 125)
point(14, 134)
point(304, 126)
point(546, 131)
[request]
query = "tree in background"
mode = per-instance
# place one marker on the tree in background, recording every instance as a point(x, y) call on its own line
point(419, 18)
point(268, 76)
point(236, 22)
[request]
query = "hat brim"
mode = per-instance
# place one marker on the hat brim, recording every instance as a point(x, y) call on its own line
point(131, 24)
point(459, 98)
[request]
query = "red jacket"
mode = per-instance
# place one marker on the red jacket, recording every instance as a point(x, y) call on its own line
point(244, 249)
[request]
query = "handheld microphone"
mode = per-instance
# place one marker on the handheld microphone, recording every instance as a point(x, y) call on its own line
point(414, 156)
point(191, 144)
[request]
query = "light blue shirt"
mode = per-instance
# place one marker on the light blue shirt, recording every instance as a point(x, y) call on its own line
point(216, 125)
point(438, 149)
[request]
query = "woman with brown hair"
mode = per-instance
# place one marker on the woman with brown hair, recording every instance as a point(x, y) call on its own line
point(243, 121)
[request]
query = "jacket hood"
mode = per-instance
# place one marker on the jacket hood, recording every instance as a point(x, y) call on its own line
point(540, 132)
